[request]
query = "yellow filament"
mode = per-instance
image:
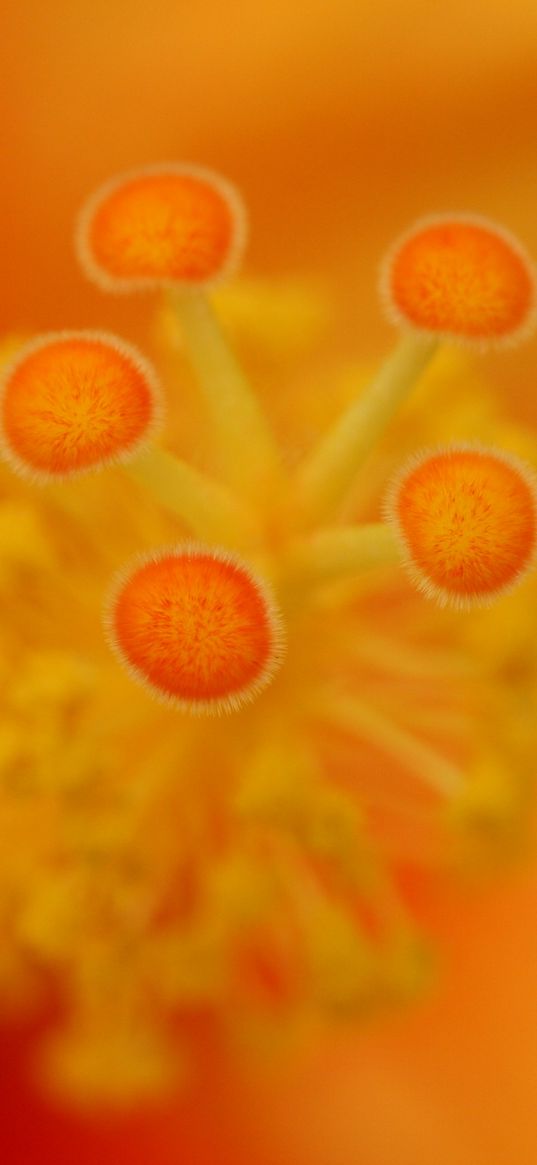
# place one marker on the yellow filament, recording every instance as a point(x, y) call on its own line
point(249, 453)
point(330, 469)
point(356, 716)
point(400, 659)
point(207, 507)
point(330, 555)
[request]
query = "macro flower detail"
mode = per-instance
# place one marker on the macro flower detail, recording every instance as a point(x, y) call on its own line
point(197, 627)
point(178, 225)
point(467, 522)
point(75, 401)
point(461, 277)
point(251, 867)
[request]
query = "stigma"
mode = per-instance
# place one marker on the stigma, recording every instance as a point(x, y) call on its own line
point(461, 277)
point(72, 402)
point(197, 627)
point(466, 518)
point(169, 225)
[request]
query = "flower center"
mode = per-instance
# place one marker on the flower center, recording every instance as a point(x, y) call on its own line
point(159, 863)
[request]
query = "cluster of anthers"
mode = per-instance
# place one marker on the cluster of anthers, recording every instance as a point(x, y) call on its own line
point(224, 620)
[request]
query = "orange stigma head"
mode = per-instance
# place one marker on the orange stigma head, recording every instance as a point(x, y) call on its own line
point(196, 627)
point(161, 226)
point(461, 278)
point(466, 521)
point(71, 402)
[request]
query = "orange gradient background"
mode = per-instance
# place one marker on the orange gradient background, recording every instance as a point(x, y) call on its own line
point(342, 122)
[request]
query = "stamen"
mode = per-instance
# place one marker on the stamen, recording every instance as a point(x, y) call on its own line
point(283, 787)
point(463, 278)
point(406, 660)
point(196, 627)
point(338, 553)
point(342, 969)
point(209, 509)
point(161, 226)
point(76, 401)
point(327, 473)
point(358, 717)
point(248, 451)
point(466, 520)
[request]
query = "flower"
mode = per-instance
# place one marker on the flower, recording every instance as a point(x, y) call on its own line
point(253, 868)
point(493, 185)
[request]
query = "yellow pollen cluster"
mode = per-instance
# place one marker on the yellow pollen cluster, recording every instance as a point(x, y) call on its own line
point(233, 832)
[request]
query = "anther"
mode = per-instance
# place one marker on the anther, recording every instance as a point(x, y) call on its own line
point(462, 278)
point(466, 521)
point(196, 627)
point(71, 402)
